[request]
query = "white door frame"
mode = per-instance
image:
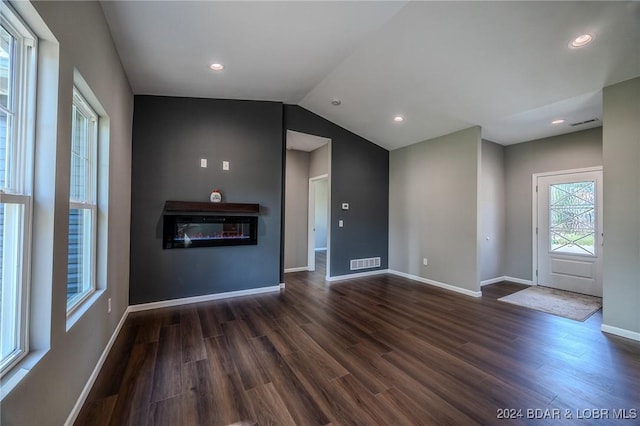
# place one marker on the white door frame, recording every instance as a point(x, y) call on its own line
point(534, 211)
point(311, 246)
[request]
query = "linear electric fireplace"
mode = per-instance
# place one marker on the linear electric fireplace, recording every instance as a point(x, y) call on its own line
point(189, 231)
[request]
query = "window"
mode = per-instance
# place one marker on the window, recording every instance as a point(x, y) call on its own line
point(17, 109)
point(83, 208)
point(572, 217)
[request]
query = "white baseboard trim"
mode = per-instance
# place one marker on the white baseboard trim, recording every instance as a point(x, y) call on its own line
point(357, 275)
point(437, 284)
point(505, 278)
point(492, 281)
point(300, 269)
point(73, 416)
point(282, 285)
point(204, 298)
point(633, 335)
point(518, 280)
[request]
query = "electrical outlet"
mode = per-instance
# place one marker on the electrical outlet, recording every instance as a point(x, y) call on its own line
point(225, 165)
point(203, 163)
point(109, 305)
point(425, 261)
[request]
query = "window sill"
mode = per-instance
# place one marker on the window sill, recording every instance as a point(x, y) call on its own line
point(19, 372)
point(82, 308)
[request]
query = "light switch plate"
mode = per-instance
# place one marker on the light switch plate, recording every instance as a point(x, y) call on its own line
point(225, 165)
point(203, 162)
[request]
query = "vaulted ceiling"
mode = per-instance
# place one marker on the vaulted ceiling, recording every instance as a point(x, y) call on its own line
point(442, 66)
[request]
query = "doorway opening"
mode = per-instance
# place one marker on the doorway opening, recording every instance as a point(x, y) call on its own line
point(307, 212)
point(567, 230)
point(318, 224)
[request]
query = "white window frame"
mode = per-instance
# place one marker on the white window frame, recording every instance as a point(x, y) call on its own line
point(18, 188)
point(90, 202)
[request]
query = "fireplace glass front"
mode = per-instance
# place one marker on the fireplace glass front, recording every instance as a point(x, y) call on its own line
point(190, 231)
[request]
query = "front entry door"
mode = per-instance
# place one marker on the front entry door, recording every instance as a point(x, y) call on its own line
point(569, 231)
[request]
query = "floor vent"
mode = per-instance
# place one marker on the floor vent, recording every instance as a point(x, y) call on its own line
point(371, 262)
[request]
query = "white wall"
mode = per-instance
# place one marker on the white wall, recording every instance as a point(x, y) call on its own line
point(433, 209)
point(319, 161)
point(321, 213)
point(296, 210)
point(621, 155)
point(492, 211)
point(51, 388)
point(318, 166)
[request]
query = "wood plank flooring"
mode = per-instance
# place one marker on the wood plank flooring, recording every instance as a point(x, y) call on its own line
point(378, 350)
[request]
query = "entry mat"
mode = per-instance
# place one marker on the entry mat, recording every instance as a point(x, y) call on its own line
point(565, 304)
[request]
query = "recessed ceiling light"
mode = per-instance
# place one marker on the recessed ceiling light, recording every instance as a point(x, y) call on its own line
point(336, 102)
point(581, 40)
point(216, 67)
point(398, 119)
point(559, 121)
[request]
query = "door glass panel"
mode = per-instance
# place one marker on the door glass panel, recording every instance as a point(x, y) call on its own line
point(572, 218)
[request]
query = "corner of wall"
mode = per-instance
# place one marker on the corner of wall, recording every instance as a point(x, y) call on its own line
point(445, 169)
point(621, 156)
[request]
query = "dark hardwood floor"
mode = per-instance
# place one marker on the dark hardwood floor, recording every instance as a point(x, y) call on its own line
point(378, 350)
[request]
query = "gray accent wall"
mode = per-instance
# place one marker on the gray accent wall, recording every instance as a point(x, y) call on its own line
point(53, 384)
point(433, 205)
point(170, 136)
point(360, 177)
point(565, 152)
point(296, 210)
point(621, 155)
point(492, 211)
